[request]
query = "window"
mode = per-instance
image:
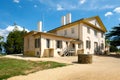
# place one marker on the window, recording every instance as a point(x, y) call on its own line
point(73, 46)
point(72, 30)
point(79, 45)
point(88, 44)
point(48, 43)
point(37, 43)
point(58, 44)
point(102, 46)
point(65, 32)
point(95, 32)
point(88, 30)
point(102, 35)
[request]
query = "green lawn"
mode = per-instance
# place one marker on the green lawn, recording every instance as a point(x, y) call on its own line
point(13, 67)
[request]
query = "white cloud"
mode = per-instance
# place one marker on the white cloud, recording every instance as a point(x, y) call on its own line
point(117, 10)
point(35, 6)
point(108, 14)
point(82, 1)
point(119, 19)
point(16, 1)
point(107, 7)
point(6, 31)
point(59, 7)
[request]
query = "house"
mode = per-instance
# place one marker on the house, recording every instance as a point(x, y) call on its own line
point(84, 36)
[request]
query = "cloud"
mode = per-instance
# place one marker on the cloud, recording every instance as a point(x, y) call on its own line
point(107, 7)
point(117, 10)
point(16, 1)
point(82, 1)
point(119, 19)
point(108, 14)
point(6, 31)
point(35, 6)
point(59, 7)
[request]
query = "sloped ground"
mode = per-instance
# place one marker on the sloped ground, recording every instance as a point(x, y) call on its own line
point(102, 68)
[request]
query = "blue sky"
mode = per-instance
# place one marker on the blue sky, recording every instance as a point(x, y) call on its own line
point(27, 13)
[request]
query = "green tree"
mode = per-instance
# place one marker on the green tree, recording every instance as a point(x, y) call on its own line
point(114, 36)
point(1, 43)
point(15, 42)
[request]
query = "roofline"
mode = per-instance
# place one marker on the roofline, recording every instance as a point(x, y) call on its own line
point(31, 32)
point(40, 33)
point(67, 25)
point(81, 21)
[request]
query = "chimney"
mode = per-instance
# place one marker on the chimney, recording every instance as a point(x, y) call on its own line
point(40, 26)
point(63, 20)
point(68, 18)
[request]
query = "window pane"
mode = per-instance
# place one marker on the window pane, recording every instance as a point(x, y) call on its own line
point(59, 44)
point(88, 30)
point(95, 32)
point(72, 30)
point(48, 43)
point(65, 32)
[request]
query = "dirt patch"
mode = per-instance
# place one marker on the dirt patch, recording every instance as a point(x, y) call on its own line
point(102, 68)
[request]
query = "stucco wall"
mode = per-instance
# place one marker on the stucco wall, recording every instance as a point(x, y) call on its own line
point(91, 36)
point(52, 44)
point(29, 45)
point(69, 33)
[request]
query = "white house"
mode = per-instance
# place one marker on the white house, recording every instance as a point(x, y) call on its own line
point(84, 36)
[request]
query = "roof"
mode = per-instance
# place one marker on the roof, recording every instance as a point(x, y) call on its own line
point(31, 32)
point(84, 21)
point(51, 34)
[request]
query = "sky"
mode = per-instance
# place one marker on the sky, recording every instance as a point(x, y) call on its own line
point(27, 13)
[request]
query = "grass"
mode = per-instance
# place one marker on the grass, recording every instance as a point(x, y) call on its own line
point(13, 67)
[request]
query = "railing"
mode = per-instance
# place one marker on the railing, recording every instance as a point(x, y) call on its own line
point(68, 52)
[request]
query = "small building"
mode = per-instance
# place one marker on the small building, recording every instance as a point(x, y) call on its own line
point(84, 36)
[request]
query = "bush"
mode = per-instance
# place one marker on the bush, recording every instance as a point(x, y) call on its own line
point(113, 49)
point(84, 58)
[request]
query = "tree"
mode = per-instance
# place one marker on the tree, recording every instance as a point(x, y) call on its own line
point(1, 43)
point(15, 42)
point(114, 36)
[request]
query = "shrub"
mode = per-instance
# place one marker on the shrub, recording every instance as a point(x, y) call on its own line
point(113, 49)
point(84, 58)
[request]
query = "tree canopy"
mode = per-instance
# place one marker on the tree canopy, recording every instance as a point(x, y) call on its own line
point(1, 43)
point(114, 36)
point(15, 42)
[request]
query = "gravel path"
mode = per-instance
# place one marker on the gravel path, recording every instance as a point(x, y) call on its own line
point(102, 68)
